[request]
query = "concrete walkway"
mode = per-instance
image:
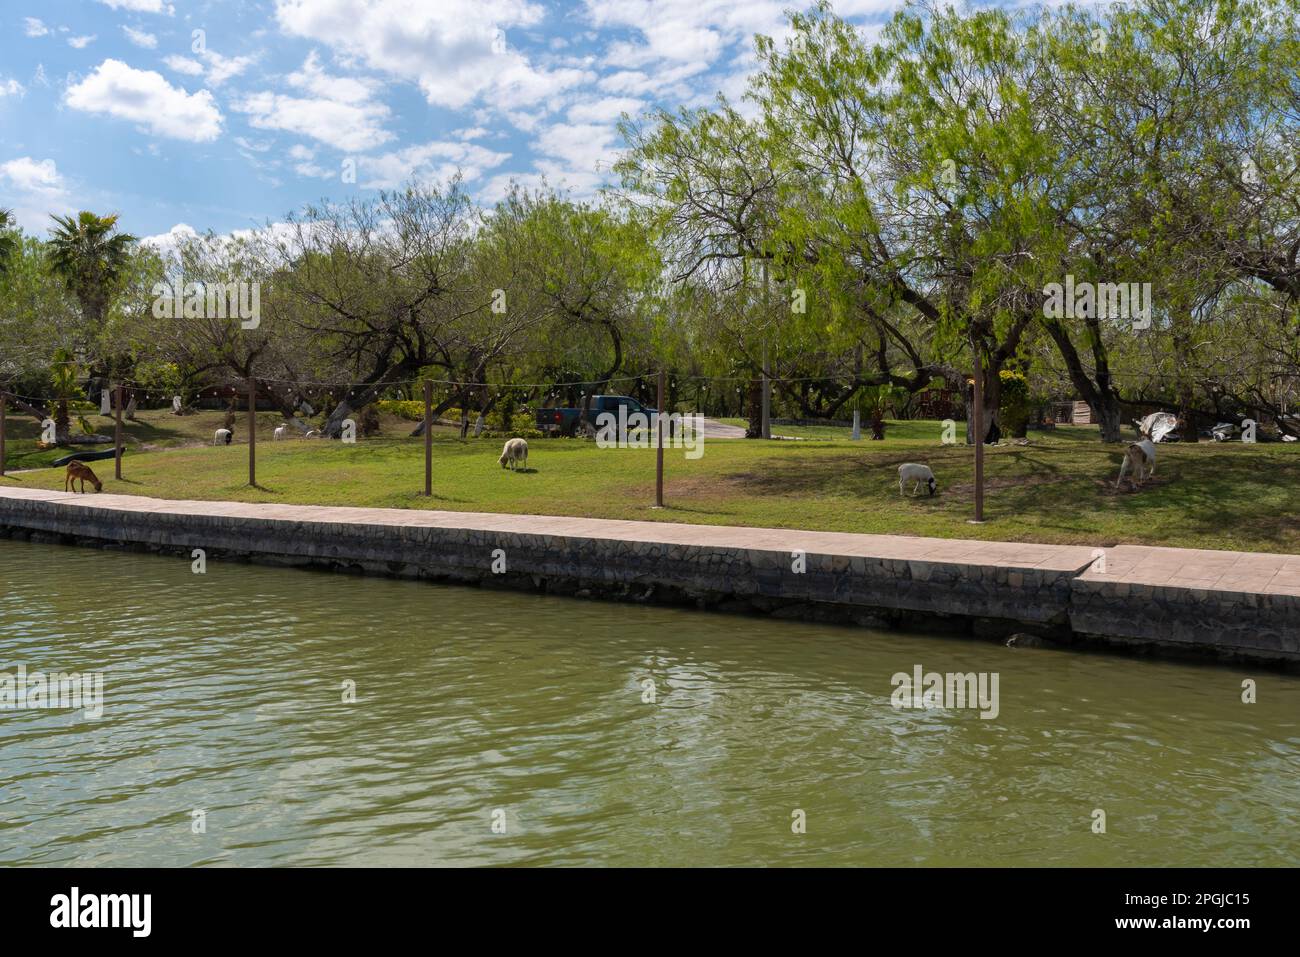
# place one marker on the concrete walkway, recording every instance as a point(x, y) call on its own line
point(1253, 572)
point(713, 429)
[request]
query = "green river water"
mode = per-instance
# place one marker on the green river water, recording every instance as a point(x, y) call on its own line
point(223, 693)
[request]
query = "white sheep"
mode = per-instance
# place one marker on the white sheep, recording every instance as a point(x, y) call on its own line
point(279, 433)
point(312, 434)
point(916, 474)
point(1138, 457)
point(222, 437)
point(516, 450)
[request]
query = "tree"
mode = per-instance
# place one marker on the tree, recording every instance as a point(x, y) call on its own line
point(585, 271)
point(64, 379)
point(8, 240)
point(91, 258)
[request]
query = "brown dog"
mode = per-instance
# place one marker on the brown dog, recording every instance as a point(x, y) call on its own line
point(76, 470)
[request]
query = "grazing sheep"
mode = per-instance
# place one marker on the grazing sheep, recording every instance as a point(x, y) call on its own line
point(312, 434)
point(1139, 457)
point(77, 470)
point(279, 433)
point(222, 437)
point(516, 450)
point(916, 474)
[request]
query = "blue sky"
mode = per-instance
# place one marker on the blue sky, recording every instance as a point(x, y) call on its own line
point(120, 106)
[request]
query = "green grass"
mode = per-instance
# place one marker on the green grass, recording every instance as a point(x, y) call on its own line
point(152, 430)
point(1060, 488)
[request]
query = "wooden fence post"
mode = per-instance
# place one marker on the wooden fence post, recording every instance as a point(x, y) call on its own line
point(979, 434)
point(117, 436)
point(428, 439)
point(659, 464)
point(252, 431)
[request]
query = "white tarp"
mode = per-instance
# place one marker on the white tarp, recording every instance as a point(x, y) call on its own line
point(1157, 425)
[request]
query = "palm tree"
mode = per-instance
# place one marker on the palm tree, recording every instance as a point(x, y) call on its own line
point(63, 376)
point(90, 258)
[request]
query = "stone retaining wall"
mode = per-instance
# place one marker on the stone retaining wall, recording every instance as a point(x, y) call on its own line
point(1054, 600)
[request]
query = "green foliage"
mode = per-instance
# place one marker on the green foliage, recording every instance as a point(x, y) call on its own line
point(409, 409)
point(1016, 404)
point(512, 434)
point(91, 258)
point(9, 241)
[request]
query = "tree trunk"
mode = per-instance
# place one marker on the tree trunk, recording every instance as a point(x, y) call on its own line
point(877, 426)
point(1100, 394)
point(1109, 417)
point(62, 430)
point(992, 398)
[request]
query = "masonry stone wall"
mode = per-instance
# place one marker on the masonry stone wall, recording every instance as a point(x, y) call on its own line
point(949, 596)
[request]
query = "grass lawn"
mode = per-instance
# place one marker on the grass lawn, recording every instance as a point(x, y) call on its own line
point(1059, 488)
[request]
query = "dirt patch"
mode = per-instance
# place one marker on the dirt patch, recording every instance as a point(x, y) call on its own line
point(967, 489)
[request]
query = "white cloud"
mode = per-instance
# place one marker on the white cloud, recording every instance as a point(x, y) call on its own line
point(457, 51)
point(145, 97)
point(31, 176)
point(311, 169)
point(304, 165)
point(222, 68)
point(140, 38)
point(38, 191)
point(470, 133)
point(582, 147)
point(677, 39)
point(344, 126)
point(218, 68)
point(182, 64)
point(438, 160)
point(80, 43)
point(697, 31)
point(11, 87)
point(167, 243)
point(311, 78)
point(605, 110)
point(335, 110)
point(34, 28)
point(665, 82)
point(141, 6)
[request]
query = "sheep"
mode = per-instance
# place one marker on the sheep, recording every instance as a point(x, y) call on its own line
point(515, 450)
point(1139, 456)
point(279, 433)
point(222, 436)
point(312, 434)
point(912, 472)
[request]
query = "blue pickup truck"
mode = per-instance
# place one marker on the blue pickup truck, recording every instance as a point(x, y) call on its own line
point(566, 421)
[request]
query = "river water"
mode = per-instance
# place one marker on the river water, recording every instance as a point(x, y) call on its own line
point(492, 728)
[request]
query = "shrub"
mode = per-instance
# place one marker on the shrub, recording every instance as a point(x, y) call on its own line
point(512, 434)
point(409, 409)
point(1016, 405)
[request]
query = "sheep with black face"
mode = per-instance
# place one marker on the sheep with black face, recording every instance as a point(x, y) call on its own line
point(916, 474)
